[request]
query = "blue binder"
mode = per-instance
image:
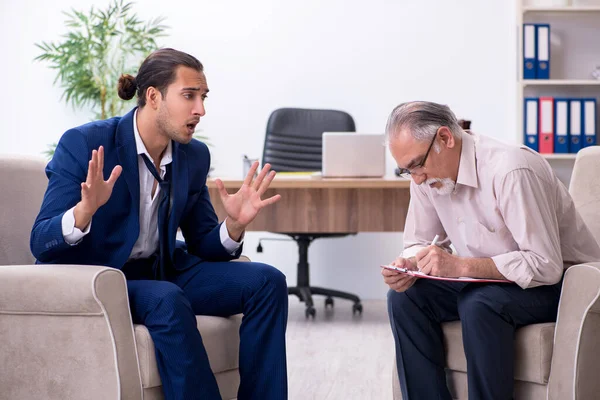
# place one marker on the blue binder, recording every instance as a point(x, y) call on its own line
point(530, 128)
point(588, 118)
point(543, 51)
point(561, 125)
point(575, 125)
point(529, 51)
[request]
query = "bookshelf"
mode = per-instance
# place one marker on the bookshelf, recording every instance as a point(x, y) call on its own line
point(565, 9)
point(574, 54)
point(559, 156)
point(560, 82)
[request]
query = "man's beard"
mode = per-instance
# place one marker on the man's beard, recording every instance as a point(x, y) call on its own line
point(162, 122)
point(447, 188)
point(167, 129)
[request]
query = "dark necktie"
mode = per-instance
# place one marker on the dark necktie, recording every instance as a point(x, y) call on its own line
point(164, 255)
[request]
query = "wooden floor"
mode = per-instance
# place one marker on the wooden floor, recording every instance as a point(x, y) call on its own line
point(337, 356)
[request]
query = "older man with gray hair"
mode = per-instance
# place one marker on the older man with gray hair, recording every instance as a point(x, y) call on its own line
point(507, 216)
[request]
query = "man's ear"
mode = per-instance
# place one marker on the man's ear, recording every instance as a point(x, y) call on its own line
point(447, 137)
point(153, 97)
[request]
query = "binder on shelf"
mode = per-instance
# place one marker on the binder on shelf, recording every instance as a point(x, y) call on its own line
point(530, 127)
point(575, 125)
point(529, 51)
point(561, 125)
point(543, 51)
point(546, 125)
point(589, 122)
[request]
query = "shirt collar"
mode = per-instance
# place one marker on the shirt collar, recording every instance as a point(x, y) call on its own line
point(467, 168)
point(167, 157)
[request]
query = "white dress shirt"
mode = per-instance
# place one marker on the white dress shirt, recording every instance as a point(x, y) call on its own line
point(508, 206)
point(147, 242)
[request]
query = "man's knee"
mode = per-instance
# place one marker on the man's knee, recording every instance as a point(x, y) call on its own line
point(166, 296)
point(266, 279)
point(274, 277)
point(159, 302)
point(475, 306)
point(398, 305)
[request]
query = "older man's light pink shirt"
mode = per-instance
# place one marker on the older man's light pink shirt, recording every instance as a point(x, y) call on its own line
point(508, 206)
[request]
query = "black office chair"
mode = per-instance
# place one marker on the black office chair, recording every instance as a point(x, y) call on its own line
point(293, 142)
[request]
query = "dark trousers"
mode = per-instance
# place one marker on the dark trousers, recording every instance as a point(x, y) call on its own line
point(489, 315)
point(168, 309)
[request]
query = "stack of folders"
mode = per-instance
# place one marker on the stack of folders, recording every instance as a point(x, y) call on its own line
point(559, 125)
point(536, 51)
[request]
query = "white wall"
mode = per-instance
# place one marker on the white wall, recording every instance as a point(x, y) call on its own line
point(361, 57)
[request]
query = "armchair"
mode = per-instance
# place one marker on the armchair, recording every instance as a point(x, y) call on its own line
point(554, 361)
point(66, 330)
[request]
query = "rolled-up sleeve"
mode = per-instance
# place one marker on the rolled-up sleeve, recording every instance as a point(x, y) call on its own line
point(531, 216)
point(422, 224)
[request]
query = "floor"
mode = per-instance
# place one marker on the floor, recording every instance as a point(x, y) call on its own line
point(338, 356)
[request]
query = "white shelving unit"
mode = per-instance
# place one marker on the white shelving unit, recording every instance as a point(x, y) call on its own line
point(574, 53)
point(560, 156)
point(560, 82)
point(565, 9)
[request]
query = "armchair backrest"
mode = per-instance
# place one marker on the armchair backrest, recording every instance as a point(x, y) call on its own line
point(293, 141)
point(22, 186)
point(585, 187)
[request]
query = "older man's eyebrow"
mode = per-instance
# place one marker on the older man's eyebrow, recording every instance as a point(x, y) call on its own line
point(412, 163)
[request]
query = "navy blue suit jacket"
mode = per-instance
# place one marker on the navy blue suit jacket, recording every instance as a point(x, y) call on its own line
point(115, 226)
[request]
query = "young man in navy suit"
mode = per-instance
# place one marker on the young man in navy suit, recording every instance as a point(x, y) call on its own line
point(131, 222)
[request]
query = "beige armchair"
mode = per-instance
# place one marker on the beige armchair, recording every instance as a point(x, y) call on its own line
point(66, 330)
point(554, 361)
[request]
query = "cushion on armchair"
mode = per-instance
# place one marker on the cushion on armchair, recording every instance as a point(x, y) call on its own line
point(220, 337)
point(533, 350)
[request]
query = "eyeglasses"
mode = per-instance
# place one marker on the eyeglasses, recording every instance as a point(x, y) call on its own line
point(406, 173)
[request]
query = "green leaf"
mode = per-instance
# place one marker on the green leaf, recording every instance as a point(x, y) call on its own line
point(49, 152)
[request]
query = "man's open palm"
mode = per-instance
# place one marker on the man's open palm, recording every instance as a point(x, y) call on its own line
point(95, 191)
point(243, 206)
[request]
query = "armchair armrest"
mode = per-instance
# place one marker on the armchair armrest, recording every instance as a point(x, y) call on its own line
point(573, 373)
point(57, 289)
point(66, 332)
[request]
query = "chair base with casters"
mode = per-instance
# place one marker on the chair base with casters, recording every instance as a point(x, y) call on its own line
point(303, 289)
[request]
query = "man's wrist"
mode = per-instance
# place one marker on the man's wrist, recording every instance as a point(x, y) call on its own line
point(478, 268)
point(234, 229)
point(82, 216)
point(461, 266)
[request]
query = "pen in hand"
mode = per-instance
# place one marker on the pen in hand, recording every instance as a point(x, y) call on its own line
point(433, 242)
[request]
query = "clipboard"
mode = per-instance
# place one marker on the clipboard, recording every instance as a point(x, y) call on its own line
point(419, 274)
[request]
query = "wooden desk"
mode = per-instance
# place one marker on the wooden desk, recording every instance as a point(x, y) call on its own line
point(321, 205)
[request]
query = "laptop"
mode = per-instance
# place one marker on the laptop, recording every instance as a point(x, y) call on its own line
point(353, 155)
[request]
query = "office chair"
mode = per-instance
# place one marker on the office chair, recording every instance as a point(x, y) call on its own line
point(293, 142)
